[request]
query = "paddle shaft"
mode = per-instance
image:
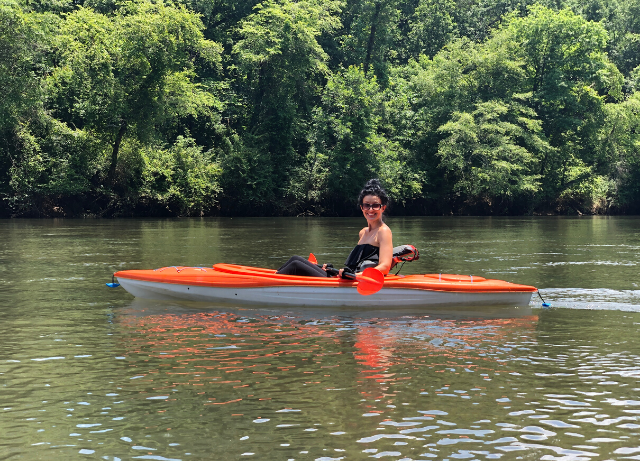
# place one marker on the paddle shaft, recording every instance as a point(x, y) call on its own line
point(369, 282)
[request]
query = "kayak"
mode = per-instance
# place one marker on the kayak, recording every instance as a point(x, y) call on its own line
point(230, 283)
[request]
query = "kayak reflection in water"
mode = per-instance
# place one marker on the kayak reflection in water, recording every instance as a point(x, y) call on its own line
point(375, 243)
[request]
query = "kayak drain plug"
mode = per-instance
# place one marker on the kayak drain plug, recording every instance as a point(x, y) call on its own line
point(113, 283)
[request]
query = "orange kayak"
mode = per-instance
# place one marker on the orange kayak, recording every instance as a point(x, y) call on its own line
point(258, 286)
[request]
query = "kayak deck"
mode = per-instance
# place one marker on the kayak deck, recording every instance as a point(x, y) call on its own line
point(253, 285)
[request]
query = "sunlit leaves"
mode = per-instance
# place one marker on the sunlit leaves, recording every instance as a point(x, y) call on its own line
point(493, 151)
point(284, 29)
point(453, 103)
point(432, 27)
point(19, 38)
point(281, 67)
point(344, 128)
point(369, 31)
point(183, 178)
point(129, 72)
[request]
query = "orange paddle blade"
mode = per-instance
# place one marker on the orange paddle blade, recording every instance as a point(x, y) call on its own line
point(370, 281)
point(312, 259)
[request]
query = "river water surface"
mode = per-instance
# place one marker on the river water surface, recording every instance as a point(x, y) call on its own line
point(88, 372)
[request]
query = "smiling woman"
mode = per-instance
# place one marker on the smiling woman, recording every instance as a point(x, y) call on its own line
point(375, 243)
point(375, 239)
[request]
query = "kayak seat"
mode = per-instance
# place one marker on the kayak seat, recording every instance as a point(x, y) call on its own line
point(403, 254)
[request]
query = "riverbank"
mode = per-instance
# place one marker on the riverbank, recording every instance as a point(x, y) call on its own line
point(110, 206)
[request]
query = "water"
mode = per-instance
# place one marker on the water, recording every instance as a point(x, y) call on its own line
point(90, 372)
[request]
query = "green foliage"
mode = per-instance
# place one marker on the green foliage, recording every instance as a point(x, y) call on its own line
point(370, 27)
point(476, 19)
point(50, 159)
point(622, 21)
point(570, 80)
point(247, 179)
point(492, 153)
point(182, 179)
point(620, 141)
point(288, 107)
point(282, 64)
point(19, 56)
point(432, 27)
point(348, 147)
point(129, 72)
point(343, 153)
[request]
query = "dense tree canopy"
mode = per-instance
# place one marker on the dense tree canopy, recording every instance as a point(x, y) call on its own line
point(286, 107)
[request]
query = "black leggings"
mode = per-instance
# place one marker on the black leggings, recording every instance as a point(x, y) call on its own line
point(297, 265)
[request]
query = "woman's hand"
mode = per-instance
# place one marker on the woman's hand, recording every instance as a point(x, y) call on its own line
point(330, 270)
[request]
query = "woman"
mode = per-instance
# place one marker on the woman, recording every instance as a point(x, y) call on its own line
point(375, 245)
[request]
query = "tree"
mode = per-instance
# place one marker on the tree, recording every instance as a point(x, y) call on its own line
point(432, 27)
point(424, 95)
point(342, 156)
point(370, 27)
point(128, 73)
point(280, 66)
point(182, 179)
point(492, 153)
point(570, 79)
point(221, 17)
point(19, 36)
point(348, 147)
point(477, 19)
point(620, 141)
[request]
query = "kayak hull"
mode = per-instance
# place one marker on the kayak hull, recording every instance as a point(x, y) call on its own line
point(318, 296)
point(253, 286)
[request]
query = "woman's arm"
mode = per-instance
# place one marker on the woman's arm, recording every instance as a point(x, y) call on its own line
point(385, 239)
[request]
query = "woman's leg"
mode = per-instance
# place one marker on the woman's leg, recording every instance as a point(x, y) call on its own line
point(297, 265)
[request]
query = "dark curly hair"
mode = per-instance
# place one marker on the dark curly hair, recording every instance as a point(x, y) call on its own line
point(373, 187)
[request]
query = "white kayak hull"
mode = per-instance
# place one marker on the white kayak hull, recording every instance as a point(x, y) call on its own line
point(320, 296)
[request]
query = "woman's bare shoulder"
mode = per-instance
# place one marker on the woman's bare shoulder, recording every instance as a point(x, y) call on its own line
point(385, 230)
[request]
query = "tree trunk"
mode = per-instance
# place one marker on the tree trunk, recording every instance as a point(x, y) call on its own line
point(115, 151)
point(372, 37)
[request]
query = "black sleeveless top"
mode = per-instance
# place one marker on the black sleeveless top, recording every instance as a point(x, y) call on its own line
point(362, 252)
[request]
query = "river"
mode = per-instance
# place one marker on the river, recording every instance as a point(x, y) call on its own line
point(89, 372)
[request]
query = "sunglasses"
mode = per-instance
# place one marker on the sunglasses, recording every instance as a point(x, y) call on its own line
point(371, 206)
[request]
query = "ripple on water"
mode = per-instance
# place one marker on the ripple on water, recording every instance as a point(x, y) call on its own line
point(273, 387)
point(593, 299)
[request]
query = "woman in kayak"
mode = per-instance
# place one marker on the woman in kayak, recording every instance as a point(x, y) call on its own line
point(375, 245)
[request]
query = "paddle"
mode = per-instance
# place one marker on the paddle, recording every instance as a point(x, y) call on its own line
point(312, 258)
point(369, 282)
